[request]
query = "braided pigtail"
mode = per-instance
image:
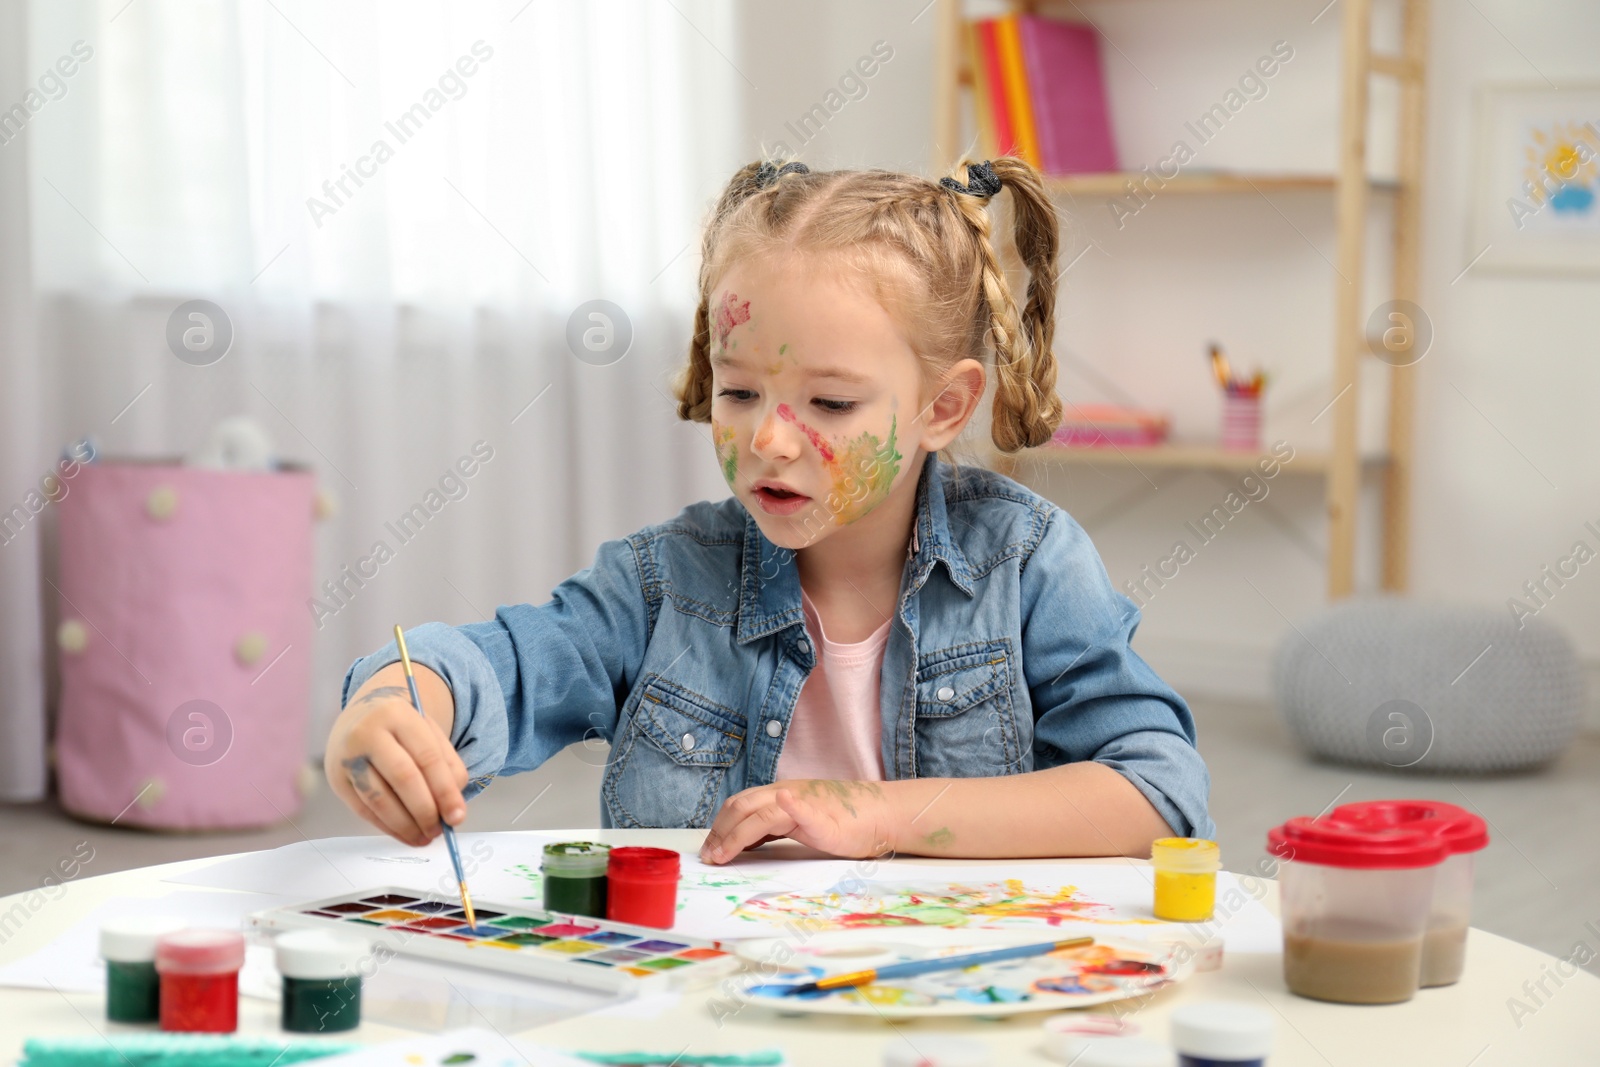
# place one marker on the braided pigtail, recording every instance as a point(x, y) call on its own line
point(1027, 409)
point(693, 383)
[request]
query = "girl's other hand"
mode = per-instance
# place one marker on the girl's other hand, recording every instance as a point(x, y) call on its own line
point(842, 818)
point(393, 767)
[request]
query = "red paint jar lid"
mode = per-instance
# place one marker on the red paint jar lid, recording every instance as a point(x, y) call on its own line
point(200, 951)
point(637, 862)
point(1330, 844)
point(1460, 830)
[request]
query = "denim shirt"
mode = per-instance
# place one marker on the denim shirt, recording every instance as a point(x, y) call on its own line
point(684, 647)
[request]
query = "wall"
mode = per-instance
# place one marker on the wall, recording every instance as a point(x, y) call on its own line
point(1506, 476)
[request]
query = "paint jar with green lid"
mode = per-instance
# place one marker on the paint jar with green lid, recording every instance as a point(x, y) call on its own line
point(128, 945)
point(575, 878)
point(321, 981)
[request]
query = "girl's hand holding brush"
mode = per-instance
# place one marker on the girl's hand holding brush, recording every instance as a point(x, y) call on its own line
point(393, 767)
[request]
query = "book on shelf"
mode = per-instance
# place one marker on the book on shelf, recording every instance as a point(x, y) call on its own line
point(1039, 93)
point(1111, 425)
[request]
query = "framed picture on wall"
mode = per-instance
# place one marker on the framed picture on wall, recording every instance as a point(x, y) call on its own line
point(1537, 206)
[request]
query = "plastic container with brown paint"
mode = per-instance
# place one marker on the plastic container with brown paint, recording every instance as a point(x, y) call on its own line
point(1464, 834)
point(1355, 905)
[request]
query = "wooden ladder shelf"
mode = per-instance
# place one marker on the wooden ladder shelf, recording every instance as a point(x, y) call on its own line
point(1342, 464)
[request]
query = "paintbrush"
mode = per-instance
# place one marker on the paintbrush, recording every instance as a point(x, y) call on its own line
point(1219, 365)
point(449, 832)
point(939, 963)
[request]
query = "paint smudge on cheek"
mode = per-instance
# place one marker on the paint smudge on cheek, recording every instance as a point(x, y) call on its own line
point(732, 313)
point(727, 451)
point(863, 473)
point(818, 442)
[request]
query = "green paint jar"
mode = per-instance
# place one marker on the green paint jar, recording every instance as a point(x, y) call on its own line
point(321, 981)
point(575, 878)
point(128, 945)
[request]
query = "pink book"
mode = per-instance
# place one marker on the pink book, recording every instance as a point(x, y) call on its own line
point(1068, 95)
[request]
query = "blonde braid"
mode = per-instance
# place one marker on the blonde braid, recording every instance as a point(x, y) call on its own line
point(1027, 409)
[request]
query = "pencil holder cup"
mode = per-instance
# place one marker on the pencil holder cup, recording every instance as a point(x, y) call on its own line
point(1241, 422)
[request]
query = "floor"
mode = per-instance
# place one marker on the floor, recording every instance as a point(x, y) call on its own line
point(1536, 881)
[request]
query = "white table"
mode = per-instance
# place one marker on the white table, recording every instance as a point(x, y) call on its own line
point(1470, 1023)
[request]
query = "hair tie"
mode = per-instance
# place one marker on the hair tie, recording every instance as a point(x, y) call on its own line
point(770, 172)
point(981, 181)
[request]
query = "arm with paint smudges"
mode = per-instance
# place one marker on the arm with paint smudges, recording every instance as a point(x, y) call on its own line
point(394, 768)
point(1081, 809)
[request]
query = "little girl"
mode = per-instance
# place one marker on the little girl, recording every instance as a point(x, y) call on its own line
point(864, 648)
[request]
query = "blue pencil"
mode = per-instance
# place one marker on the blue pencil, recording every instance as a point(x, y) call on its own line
point(913, 968)
point(449, 832)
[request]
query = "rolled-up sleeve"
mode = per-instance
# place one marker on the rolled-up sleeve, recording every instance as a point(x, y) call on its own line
point(1093, 697)
point(535, 678)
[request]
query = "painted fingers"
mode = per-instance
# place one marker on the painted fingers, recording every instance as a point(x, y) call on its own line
point(396, 769)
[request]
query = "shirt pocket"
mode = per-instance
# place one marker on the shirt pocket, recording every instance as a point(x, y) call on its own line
point(668, 766)
point(965, 726)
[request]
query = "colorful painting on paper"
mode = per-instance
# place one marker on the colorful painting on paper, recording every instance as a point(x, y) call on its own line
point(856, 905)
point(1537, 204)
point(1562, 175)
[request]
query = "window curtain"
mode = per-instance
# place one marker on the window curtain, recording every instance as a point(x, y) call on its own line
point(404, 212)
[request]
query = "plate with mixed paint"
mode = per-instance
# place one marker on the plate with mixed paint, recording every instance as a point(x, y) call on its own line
point(572, 949)
point(1071, 978)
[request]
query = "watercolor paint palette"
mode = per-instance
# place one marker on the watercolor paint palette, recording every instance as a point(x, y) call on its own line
point(1100, 973)
point(572, 949)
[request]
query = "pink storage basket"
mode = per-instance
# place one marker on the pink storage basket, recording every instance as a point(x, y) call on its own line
point(184, 645)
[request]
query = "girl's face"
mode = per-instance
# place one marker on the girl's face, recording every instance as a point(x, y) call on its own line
point(815, 398)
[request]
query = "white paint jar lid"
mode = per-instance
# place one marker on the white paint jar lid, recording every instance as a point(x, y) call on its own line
point(1221, 1030)
point(316, 954)
point(132, 938)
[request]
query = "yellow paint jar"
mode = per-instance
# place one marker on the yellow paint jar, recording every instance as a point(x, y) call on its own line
point(1186, 878)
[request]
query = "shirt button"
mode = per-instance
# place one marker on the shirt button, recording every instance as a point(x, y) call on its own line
point(945, 693)
point(774, 727)
point(803, 645)
point(688, 742)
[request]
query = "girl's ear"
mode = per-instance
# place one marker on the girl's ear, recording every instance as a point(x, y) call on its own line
point(960, 388)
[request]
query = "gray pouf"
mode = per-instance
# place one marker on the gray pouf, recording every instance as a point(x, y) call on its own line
point(1429, 687)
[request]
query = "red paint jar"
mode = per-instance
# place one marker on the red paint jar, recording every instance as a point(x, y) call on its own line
point(642, 886)
point(199, 972)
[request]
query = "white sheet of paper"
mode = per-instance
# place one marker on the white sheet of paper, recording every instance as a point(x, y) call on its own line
point(72, 963)
point(500, 866)
point(712, 902)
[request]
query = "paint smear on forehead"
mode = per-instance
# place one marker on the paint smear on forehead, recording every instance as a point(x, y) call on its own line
point(732, 313)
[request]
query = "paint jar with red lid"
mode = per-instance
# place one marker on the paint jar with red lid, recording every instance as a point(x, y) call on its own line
point(199, 972)
point(1444, 947)
point(642, 886)
point(1355, 905)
